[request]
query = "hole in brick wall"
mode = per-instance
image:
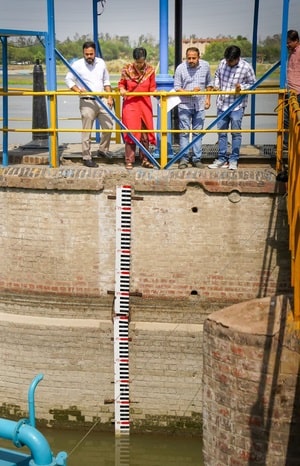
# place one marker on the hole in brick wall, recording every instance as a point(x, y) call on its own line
point(194, 209)
point(194, 293)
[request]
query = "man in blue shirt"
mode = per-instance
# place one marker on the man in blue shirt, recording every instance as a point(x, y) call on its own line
point(192, 75)
point(233, 74)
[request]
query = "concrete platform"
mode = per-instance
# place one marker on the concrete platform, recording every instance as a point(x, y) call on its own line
point(70, 154)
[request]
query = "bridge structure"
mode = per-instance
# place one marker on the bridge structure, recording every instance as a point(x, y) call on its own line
point(164, 79)
point(165, 83)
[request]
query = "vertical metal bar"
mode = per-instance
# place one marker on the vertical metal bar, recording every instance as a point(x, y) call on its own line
point(254, 58)
point(51, 80)
point(283, 53)
point(178, 60)
point(163, 36)
point(98, 53)
point(280, 124)
point(5, 102)
point(118, 114)
point(164, 133)
point(53, 148)
point(164, 81)
point(178, 32)
point(95, 28)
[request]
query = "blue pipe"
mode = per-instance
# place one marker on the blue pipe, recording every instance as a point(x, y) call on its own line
point(24, 432)
point(31, 391)
point(21, 434)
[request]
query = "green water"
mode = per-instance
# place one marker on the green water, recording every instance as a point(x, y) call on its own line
point(102, 449)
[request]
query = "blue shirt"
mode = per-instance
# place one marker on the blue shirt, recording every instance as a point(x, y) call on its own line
point(227, 77)
point(187, 78)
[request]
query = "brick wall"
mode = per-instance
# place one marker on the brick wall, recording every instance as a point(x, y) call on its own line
point(220, 236)
point(200, 240)
point(251, 385)
point(71, 343)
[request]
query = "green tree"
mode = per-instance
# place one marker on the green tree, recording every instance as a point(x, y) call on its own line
point(270, 48)
point(215, 51)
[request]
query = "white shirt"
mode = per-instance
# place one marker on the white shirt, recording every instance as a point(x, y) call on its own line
point(95, 76)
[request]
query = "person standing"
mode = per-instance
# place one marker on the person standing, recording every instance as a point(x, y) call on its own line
point(137, 112)
point(92, 70)
point(293, 75)
point(192, 75)
point(233, 74)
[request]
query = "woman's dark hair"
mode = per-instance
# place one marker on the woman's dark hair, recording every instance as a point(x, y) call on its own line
point(139, 52)
point(232, 52)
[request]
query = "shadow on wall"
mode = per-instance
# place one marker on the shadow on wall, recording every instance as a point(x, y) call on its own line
point(276, 245)
point(263, 415)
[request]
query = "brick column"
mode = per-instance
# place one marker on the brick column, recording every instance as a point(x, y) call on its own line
point(251, 385)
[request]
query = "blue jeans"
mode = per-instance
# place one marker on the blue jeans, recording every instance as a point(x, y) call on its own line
point(190, 118)
point(234, 120)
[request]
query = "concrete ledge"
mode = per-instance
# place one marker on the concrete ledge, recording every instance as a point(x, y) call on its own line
point(77, 177)
point(259, 316)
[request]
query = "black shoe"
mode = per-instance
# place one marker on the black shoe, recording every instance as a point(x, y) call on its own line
point(90, 163)
point(106, 155)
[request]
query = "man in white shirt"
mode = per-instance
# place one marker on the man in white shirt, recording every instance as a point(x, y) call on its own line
point(93, 72)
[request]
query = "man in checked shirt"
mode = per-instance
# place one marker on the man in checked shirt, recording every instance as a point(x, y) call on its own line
point(232, 74)
point(192, 75)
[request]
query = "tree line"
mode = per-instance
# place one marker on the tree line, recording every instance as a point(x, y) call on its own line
point(26, 50)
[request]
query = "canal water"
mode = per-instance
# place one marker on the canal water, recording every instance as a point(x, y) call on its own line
point(102, 449)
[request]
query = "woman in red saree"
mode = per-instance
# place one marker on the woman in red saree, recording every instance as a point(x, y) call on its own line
point(137, 112)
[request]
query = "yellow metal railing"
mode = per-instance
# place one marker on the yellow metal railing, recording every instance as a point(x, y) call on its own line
point(293, 199)
point(164, 131)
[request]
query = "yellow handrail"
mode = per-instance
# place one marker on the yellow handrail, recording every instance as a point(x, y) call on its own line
point(164, 131)
point(293, 199)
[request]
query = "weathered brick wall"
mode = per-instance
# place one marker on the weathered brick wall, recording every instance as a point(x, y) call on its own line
point(199, 239)
point(251, 385)
point(220, 236)
point(71, 343)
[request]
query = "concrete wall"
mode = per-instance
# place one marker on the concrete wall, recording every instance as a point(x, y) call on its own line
point(200, 239)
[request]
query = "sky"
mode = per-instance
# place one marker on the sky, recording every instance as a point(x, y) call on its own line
point(133, 18)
